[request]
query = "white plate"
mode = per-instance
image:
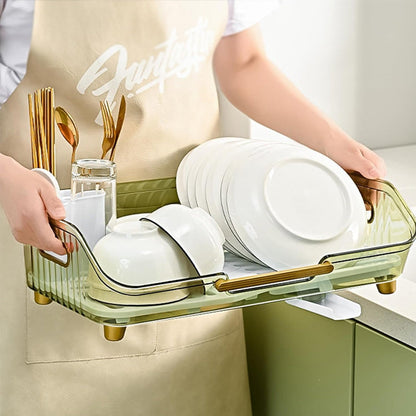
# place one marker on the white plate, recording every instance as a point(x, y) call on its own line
point(196, 161)
point(245, 153)
point(290, 208)
point(205, 169)
point(257, 147)
point(214, 179)
point(181, 181)
point(188, 168)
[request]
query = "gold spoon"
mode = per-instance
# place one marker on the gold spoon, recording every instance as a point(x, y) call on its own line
point(120, 120)
point(67, 127)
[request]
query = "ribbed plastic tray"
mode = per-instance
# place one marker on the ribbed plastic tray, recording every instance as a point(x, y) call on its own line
point(390, 232)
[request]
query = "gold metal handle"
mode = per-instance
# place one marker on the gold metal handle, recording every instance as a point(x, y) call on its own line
point(370, 207)
point(223, 285)
point(54, 225)
point(55, 259)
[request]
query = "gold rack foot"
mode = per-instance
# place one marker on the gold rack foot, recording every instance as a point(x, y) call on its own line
point(114, 333)
point(41, 300)
point(387, 288)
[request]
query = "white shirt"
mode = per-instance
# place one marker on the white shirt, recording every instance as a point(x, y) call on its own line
point(16, 18)
point(16, 21)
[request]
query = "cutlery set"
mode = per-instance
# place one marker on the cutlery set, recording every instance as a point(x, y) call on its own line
point(42, 116)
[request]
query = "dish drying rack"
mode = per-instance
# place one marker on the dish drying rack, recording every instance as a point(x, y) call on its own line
point(390, 231)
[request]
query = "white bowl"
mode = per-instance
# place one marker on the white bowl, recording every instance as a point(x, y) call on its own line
point(135, 254)
point(195, 232)
point(121, 220)
point(292, 206)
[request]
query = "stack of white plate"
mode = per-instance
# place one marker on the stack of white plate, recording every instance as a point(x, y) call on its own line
point(278, 204)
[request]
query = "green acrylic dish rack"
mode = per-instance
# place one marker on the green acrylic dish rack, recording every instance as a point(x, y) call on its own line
point(390, 233)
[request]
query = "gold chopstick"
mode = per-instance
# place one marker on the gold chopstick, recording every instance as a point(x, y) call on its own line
point(44, 102)
point(37, 131)
point(42, 128)
point(52, 130)
point(35, 161)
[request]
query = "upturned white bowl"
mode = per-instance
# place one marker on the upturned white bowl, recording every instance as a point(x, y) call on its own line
point(138, 253)
point(195, 232)
point(127, 218)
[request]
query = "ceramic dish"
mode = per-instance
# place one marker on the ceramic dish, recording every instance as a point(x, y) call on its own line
point(224, 150)
point(195, 232)
point(292, 207)
point(121, 220)
point(181, 180)
point(214, 169)
point(188, 166)
point(194, 163)
point(206, 152)
point(138, 253)
point(243, 157)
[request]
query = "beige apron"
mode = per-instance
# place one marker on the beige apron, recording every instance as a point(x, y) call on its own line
point(53, 361)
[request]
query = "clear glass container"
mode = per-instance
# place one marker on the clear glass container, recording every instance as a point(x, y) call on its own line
point(96, 175)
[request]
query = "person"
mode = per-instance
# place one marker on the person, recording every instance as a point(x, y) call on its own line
point(163, 56)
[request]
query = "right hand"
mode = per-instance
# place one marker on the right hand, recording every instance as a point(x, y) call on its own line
point(28, 200)
point(354, 156)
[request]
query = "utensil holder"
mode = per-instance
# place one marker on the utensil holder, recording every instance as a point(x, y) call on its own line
point(391, 231)
point(96, 175)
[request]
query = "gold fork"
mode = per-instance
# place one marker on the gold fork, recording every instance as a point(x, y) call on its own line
point(109, 130)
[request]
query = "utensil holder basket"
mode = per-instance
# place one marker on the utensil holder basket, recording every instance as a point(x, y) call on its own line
point(390, 233)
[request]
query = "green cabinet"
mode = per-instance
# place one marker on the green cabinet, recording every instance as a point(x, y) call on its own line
point(302, 364)
point(385, 375)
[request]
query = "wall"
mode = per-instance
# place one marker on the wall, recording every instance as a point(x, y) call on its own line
point(386, 62)
point(355, 59)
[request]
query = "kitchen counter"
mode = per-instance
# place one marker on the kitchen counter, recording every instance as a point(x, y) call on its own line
point(394, 315)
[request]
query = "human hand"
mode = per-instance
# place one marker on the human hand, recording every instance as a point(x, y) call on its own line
point(354, 156)
point(28, 200)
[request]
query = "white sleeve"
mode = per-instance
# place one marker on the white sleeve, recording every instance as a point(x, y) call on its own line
point(16, 21)
point(245, 13)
